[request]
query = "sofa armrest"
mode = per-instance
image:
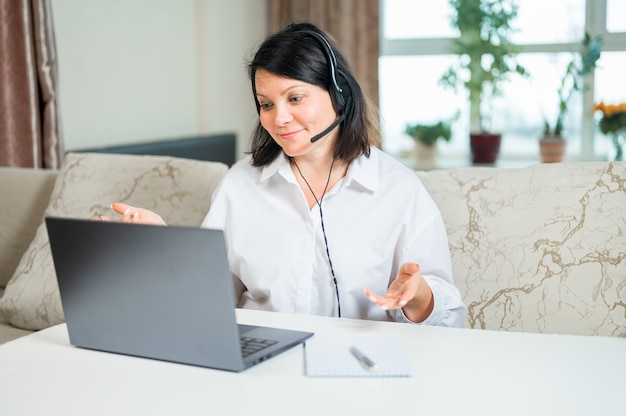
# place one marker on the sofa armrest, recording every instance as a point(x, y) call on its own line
point(25, 194)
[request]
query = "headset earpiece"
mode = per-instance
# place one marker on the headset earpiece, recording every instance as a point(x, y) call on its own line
point(340, 97)
point(340, 91)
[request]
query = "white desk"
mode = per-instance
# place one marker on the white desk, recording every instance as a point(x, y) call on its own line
point(456, 372)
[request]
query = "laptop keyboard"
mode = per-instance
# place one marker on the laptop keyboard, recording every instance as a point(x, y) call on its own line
point(252, 345)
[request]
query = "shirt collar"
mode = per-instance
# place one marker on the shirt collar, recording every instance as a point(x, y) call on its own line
point(279, 165)
point(363, 170)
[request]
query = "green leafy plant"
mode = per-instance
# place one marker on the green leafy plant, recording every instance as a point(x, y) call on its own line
point(428, 134)
point(582, 64)
point(486, 54)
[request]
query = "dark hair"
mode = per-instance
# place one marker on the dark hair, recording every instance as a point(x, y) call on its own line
point(295, 53)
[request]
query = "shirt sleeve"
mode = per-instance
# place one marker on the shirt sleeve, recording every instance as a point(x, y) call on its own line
point(217, 218)
point(427, 244)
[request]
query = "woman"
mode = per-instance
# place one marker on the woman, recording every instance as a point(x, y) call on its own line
point(317, 219)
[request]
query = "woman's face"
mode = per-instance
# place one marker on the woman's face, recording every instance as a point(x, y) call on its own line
point(294, 111)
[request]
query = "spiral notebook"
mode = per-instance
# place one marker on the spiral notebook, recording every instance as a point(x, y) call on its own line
point(330, 356)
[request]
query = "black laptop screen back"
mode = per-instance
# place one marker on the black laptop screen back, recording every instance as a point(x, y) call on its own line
point(125, 288)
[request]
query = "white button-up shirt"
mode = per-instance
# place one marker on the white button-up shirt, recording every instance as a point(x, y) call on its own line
point(376, 218)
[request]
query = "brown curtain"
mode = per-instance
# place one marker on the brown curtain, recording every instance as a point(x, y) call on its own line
point(30, 131)
point(352, 23)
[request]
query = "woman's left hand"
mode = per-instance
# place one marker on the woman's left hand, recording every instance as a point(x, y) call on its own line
point(408, 291)
point(134, 214)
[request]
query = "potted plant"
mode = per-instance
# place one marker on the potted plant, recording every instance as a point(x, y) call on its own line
point(613, 123)
point(426, 137)
point(552, 143)
point(486, 59)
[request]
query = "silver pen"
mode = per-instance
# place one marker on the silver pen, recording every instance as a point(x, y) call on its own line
point(368, 364)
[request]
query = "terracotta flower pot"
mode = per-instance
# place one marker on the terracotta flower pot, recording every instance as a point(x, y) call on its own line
point(485, 147)
point(425, 156)
point(552, 149)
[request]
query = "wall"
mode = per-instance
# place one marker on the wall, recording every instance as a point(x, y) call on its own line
point(137, 70)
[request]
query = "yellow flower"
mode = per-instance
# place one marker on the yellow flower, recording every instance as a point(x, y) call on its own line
point(610, 109)
point(613, 116)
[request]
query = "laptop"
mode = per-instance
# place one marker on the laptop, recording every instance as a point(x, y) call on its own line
point(156, 292)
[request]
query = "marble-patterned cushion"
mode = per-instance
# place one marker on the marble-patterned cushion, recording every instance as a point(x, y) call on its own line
point(178, 189)
point(538, 249)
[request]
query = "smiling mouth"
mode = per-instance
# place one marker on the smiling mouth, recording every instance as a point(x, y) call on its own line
point(289, 135)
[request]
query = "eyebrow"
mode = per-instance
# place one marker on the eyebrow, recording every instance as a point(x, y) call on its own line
point(286, 90)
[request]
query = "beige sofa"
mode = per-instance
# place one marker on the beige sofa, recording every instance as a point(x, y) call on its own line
point(538, 249)
point(179, 189)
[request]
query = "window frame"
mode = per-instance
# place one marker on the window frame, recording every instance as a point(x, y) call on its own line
point(595, 25)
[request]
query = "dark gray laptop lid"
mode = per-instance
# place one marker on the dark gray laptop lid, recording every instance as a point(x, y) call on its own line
point(150, 291)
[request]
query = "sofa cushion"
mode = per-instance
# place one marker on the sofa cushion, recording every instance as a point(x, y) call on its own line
point(9, 332)
point(539, 249)
point(25, 195)
point(178, 189)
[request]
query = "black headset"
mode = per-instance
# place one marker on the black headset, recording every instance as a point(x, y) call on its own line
point(340, 91)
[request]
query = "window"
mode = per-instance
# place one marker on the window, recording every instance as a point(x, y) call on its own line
point(416, 49)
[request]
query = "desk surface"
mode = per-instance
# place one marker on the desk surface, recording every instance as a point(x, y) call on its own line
point(455, 371)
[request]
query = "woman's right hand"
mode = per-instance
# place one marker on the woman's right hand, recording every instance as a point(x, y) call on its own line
point(135, 215)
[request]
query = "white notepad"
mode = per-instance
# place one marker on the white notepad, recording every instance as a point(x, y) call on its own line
point(330, 356)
